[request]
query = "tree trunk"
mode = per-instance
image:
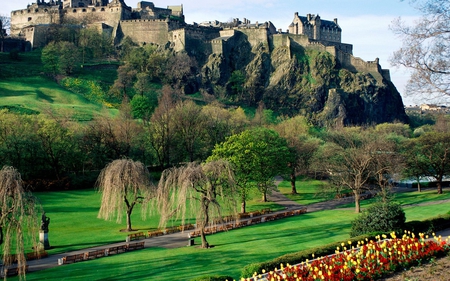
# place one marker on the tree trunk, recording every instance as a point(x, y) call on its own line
point(418, 185)
point(264, 196)
point(129, 220)
point(293, 178)
point(439, 187)
point(205, 244)
point(357, 203)
point(243, 206)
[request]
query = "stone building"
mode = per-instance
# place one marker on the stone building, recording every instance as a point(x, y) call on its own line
point(147, 24)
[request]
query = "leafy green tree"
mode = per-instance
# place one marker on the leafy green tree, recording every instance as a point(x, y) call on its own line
point(60, 57)
point(257, 156)
point(301, 145)
point(236, 82)
point(142, 107)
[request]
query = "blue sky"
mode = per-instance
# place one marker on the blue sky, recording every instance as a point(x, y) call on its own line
point(364, 23)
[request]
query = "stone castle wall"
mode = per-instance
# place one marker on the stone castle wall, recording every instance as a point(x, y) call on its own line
point(146, 31)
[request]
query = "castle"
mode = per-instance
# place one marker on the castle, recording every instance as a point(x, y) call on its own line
point(149, 24)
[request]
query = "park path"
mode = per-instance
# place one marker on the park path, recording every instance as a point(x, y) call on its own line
point(181, 239)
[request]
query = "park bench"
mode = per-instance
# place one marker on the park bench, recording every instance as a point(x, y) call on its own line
point(73, 258)
point(254, 214)
point(185, 227)
point(11, 271)
point(170, 230)
point(154, 233)
point(194, 234)
point(95, 254)
point(36, 255)
point(265, 211)
point(255, 221)
point(135, 236)
point(135, 246)
point(116, 250)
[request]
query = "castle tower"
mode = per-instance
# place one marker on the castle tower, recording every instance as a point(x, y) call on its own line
point(316, 25)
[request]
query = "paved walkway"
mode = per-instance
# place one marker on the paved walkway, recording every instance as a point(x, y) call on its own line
point(181, 239)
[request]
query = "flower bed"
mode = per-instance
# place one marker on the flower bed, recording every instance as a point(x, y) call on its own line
point(372, 259)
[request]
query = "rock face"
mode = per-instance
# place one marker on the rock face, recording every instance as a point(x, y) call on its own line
point(294, 80)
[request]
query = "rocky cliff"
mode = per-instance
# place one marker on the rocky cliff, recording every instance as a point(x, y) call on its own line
point(295, 80)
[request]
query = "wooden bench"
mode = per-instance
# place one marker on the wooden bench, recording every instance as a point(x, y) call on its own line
point(116, 250)
point(255, 221)
point(135, 246)
point(12, 271)
point(73, 258)
point(171, 230)
point(36, 255)
point(194, 234)
point(154, 233)
point(136, 236)
point(95, 254)
point(265, 211)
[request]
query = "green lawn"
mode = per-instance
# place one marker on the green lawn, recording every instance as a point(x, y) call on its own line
point(42, 95)
point(309, 191)
point(74, 225)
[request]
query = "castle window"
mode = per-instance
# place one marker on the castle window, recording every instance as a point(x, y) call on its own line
point(103, 9)
point(93, 9)
point(29, 19)
point(84, 10)
point(74, 10)
point(14, 13)
point(36, 10)
point(45, 10)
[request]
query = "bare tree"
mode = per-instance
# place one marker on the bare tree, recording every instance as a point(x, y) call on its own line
point(123, 184)
point(425, 49)
point(5, 23)
point(18, 213)
point(209, 188)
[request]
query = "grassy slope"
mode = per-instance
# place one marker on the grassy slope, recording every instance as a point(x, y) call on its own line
point(23, 87)
point(73, 219)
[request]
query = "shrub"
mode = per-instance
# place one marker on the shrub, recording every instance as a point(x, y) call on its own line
point(381, 216)
point(430, 225)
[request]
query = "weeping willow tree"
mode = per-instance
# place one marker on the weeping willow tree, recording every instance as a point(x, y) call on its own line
point(204, 191)
point(123, 184)
point(18, 219)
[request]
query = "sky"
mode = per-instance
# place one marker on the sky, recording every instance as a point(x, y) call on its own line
point(364, 23)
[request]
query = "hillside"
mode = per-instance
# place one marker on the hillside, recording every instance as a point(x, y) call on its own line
point(24, 89)
point(296, 80)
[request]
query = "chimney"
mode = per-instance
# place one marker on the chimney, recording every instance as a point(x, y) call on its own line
point(335, 21)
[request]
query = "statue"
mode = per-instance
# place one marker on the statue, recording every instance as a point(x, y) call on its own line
point(45, 222)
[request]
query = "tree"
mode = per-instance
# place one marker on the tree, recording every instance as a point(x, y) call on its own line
point(60, 57)
point(302, 147)
point(349, 159)
point(434, 151)
point(189, 125)
point(160, 131)
point(5, 23)
point(123, 184)
point(257, 156)
point(209, 188)
point(425, 49)
point(18, 217)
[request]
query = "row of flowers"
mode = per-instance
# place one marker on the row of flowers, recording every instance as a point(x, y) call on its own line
point(369, 261)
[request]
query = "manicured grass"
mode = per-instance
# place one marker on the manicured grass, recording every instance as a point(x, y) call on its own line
point(232, 250)
point(309, 191)
point(42, 94)
point(74, 225)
